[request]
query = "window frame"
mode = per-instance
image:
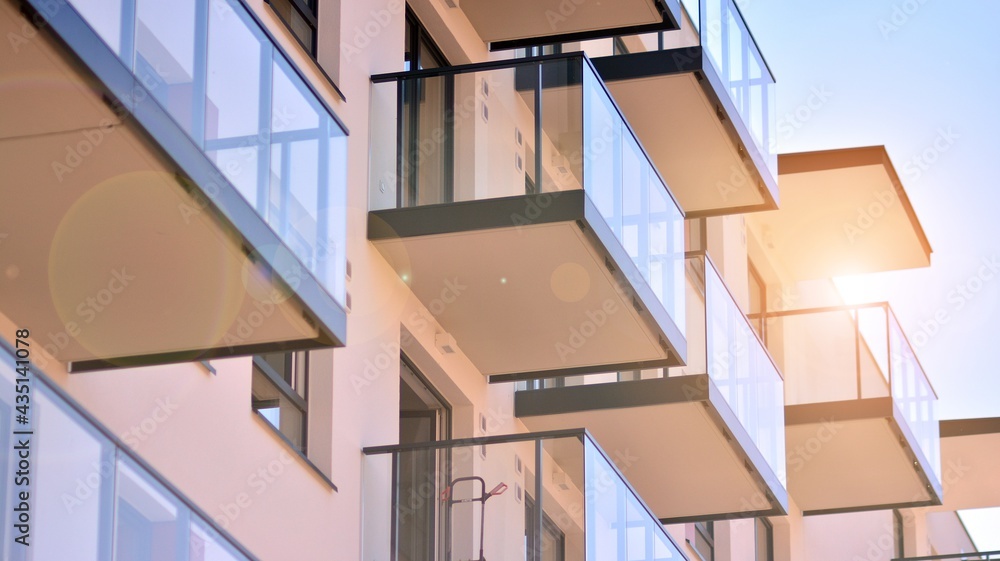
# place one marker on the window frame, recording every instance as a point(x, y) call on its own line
point(768, 530)
point(706, 531)
point(301, 402)
point(420, 42)
point(309, 11)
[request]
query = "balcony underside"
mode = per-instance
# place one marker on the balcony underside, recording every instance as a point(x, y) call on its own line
point(521, 23)
point(675, 439)
point(524, 285)
point(842, 212)
point(109, 255)
point(694, 135)
point(970, 462)
point(855, 455)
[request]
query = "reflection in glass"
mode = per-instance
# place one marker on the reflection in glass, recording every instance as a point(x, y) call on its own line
point(90, 500)
point(215, 71)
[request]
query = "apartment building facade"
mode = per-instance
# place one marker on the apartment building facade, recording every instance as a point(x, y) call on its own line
point(366, 279)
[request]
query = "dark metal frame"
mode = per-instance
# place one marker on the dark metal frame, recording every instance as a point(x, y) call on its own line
point(669, 9)
point(291, 394)
point(309, 11)
point(409, 99)
point(706, 530)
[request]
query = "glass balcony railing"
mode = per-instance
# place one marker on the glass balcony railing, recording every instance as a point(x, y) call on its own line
point(521, 127)
point(723, 344)
point(538, 496)
point(721, 31)
point(740, 366)
point(90, 498)
point(240, 99)
point(970, 556)
point(849, 353)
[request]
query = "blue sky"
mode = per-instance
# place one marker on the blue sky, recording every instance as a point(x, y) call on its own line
point(922, 78)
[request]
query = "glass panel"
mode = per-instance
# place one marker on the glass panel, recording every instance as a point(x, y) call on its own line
point(296, 22)
point(820, 350)
point(743, 371)
point(89, 500)
point(666, 251)
point(149, 523)
point(238, 75)
point(205, 545)
point(106, 19)
point(619, 526)
point(693, 8)
point(874, 349)
point(603, 174)
point(71, 488)
point(165, 59)
point(633, 199)
point(740, 65)
point(562, 125)
point(913, 394)
point(208, 63)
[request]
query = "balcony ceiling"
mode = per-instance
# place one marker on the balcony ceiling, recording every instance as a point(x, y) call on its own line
point(970, 462)
point(104, 254)
point(851, 456)
point(674, 439)
point(697, 153)
point(514, 297)
point(529, 19)
point(842, 212)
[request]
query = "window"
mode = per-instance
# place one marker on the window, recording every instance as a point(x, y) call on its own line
point(897, 534)
point(428, 106)
point(764, 539)
point(421, 51)
point(704, 540)
point(619, 47)
point(300, 18)
point(279, 394)
point(553, 546)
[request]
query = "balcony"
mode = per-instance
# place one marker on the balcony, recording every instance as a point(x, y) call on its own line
point(91, 498)
point(529, 496)
point(521, 23)
point(708, 437)
point(175, 190)
point(702, 102)
point(860, 414)
point(970, 460)
point(843, 212)
point(518, 206)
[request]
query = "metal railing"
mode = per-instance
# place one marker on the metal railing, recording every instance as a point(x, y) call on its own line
point(506, 497)
point(843, 353)
point(979, 555)
point(531, 126)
